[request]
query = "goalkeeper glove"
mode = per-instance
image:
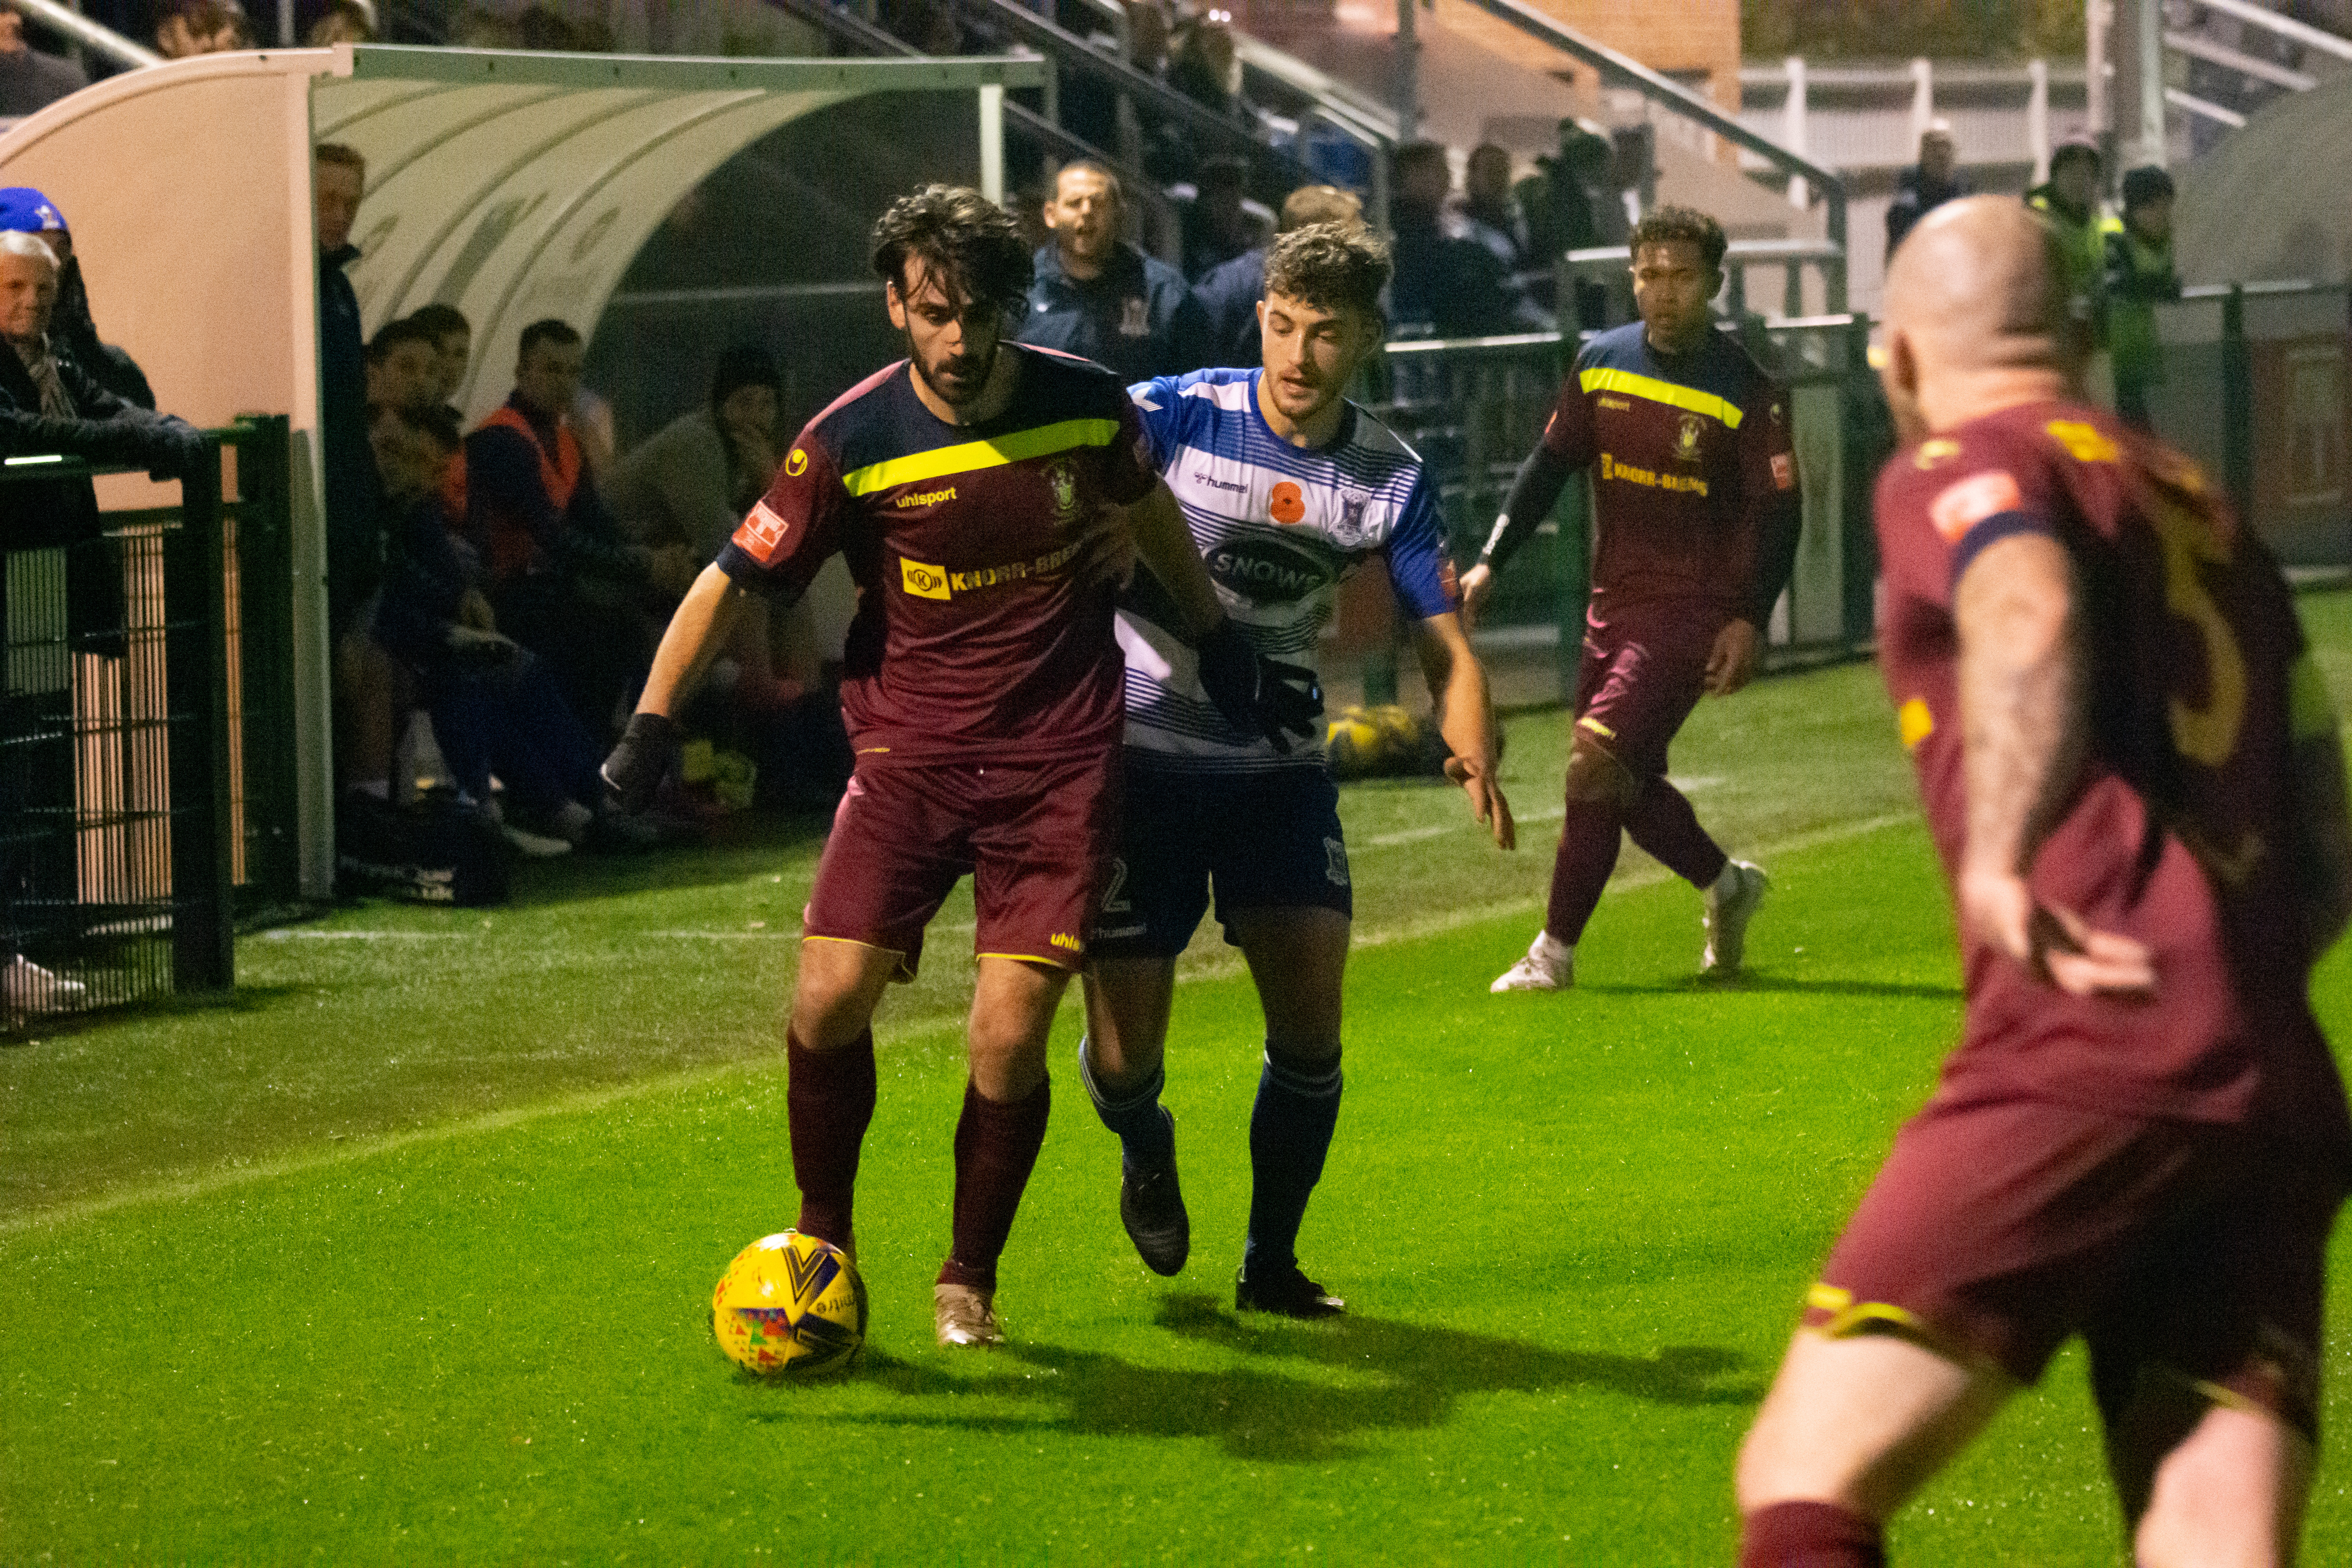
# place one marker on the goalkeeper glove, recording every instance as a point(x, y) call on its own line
point(635, 769)
point(1258, 695)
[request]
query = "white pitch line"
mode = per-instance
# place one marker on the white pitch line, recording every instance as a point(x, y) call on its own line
point(910, 1030)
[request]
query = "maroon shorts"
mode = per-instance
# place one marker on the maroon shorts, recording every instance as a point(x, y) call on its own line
point(1036, 840)
point(1645, 669)
point(2176, 1249)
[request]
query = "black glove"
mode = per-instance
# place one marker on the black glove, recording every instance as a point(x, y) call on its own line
point(1258, 694)
point(635, 769)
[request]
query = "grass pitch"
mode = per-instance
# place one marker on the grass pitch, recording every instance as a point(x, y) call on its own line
point(406, 1256)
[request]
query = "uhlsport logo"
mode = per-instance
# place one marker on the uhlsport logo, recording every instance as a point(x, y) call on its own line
point(796, 465)
point(1066, 942)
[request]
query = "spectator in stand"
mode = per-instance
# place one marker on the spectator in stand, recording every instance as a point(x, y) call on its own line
point(1559, 202)
point(31, 79)
point(1492, 206)
point(1446, 284)
point(1206, 67)
point(1926, 184)
point(337, 181)
point(495, 707)
point(2140, 274)
point(202, 28)
point(50, 404)
point(1217, 222)
point(689, 486)
point(1099, 296)
point(27, 211)
point(563, 581)
point(404, 368)
point(453, 340)
point(345, 22)
point(1229, 294)
point(2069, 203)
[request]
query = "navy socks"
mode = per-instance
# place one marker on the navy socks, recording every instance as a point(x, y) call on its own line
point(1290, 1132)
point(1144, 1132)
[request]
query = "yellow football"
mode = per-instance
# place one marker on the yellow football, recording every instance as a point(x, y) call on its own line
point(789, 1305)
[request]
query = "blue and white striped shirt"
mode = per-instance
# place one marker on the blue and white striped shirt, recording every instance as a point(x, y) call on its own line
point(1278, 526)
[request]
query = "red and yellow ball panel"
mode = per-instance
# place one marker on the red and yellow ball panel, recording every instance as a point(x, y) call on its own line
point(791, 1305)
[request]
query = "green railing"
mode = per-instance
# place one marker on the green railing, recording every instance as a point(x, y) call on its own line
point(1475, 407)
point(146, 710)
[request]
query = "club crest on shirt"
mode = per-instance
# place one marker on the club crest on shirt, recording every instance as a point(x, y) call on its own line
point(1686, 441)
point(1063, 481)
point(1135, 318)
point(1350, 529)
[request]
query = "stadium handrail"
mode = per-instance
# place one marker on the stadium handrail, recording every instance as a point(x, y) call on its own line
point(855, 30)
point(104, 42)
point(1673, 96)
point(1066, 49)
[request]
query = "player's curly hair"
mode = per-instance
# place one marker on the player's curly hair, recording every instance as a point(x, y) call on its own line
point(968, 241)
point(1663, 226)
point(1333, 266)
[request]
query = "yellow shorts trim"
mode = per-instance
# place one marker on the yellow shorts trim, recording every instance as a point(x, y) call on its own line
point(906, 973)
point(1068, 962)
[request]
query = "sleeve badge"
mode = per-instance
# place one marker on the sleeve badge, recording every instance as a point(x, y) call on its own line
point(1968, 502)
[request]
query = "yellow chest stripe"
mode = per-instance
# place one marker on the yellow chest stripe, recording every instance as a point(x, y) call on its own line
point(1648, 387)
point(1016, 447)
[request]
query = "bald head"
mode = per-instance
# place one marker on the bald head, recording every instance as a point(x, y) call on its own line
point(1977, 302)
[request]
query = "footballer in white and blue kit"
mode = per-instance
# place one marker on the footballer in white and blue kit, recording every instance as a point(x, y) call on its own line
point(1286, 488)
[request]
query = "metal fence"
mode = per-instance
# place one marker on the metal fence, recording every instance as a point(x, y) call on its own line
point(146, 778)
point(1474, 408)
point(2252, 383)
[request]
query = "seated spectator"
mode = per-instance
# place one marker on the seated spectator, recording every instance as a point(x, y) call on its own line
point(1218, 223)
point(563, 580)
point(25, 210)
point(496, 708)
point(1099, 296)
point(1571, 203)
point(404, 368)
point(1229, 294)
point(345, 22)
point(689, 486)
point(202, 28)
point(453, 338)
point(50, 404)
point(1446, 283)
point(31, 80)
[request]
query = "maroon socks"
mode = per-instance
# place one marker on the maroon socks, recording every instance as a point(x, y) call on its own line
point(829, 1099)
point(1810, 1535)
point(996, 1149)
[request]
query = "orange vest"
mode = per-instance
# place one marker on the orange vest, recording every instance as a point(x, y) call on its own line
point(507, 545)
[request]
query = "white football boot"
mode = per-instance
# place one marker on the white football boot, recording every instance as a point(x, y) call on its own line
point(1731, 903)
point(965, 1315)
point(1549, 965)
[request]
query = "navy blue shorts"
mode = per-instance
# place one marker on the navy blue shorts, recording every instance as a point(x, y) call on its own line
point(1265, 841)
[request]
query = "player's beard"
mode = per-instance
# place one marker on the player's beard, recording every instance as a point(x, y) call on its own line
point(970, 373)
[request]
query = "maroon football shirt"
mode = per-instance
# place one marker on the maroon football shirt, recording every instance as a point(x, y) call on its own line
point(2182, 833)
point(1690, 459)
point(974, 639)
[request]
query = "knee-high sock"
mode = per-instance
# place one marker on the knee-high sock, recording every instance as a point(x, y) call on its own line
point(1144, 1135)
point(996, 1149)
point(1589, 835)
point(828, 1100)
point(1662, 822)
point(1810, 1535)
point(1290, 1132)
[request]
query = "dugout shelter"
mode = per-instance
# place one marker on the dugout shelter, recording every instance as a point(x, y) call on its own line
point(512, 185)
